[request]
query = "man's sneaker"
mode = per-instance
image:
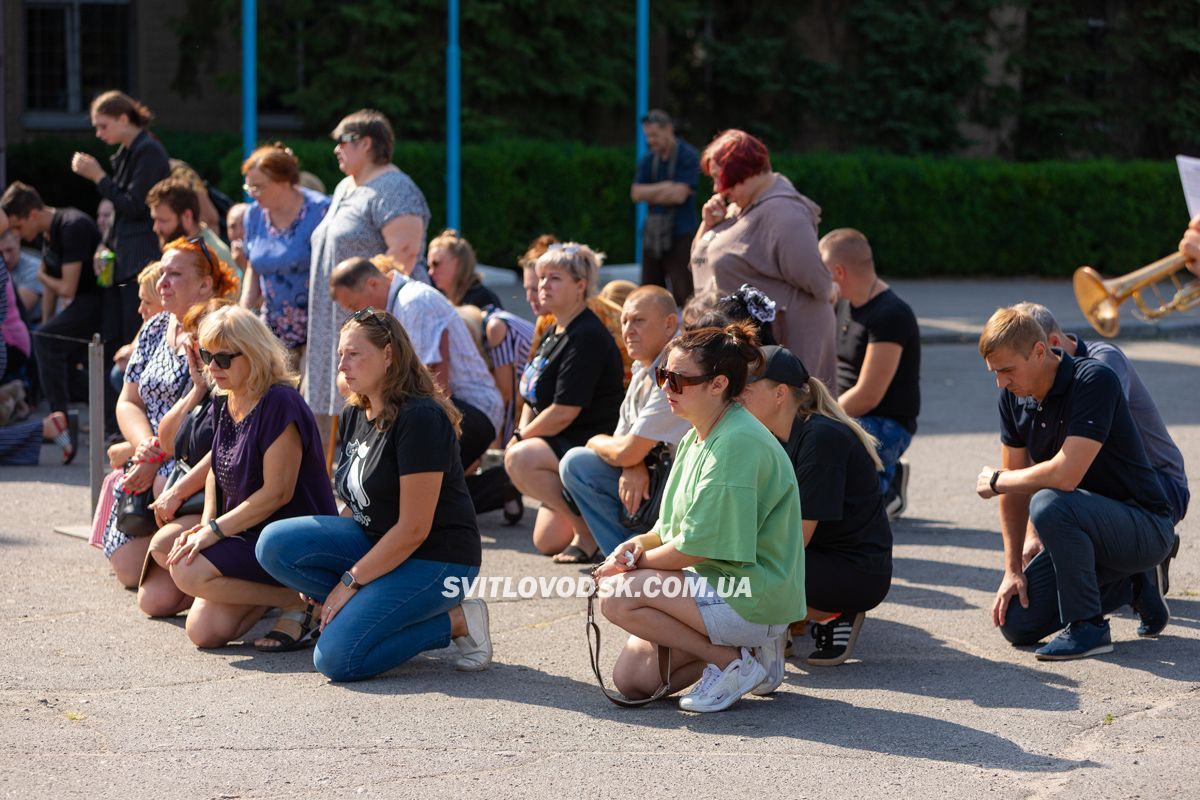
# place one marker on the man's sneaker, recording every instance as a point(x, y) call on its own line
point(835, 640)
point(1149, 603)
point(771, 656)
point(897, 494)
point(720, 688)
point(474, 649)
point(1077, 640)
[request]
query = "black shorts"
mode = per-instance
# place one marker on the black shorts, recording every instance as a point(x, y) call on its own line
point(834, 582)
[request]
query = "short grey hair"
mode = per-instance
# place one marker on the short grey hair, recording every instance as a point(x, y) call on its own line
point(579, 261)
point(1042, 316)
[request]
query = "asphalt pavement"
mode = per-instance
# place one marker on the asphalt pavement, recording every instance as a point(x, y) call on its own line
point(97, 701)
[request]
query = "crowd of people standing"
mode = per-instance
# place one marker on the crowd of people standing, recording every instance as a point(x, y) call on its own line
point(286, 371)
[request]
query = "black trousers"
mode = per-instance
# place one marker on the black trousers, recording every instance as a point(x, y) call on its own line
point(477, 432)
point(672, 266)
point(120, 322)
point(57, 355)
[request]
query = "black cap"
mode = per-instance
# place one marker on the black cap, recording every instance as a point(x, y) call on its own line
point(782, 366)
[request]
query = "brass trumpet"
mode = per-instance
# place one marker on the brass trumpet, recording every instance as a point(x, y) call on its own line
point(1100, 299)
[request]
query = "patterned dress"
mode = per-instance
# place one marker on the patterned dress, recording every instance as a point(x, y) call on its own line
point(162, 377)
point(512, 353)
point(352, 227)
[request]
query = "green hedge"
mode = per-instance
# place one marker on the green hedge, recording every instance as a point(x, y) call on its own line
point(925, 216)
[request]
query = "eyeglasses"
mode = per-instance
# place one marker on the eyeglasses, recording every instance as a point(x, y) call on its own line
point(251, 189)
point(676, 380)
point(347, 138)
point(205, 252)
point(224, 360)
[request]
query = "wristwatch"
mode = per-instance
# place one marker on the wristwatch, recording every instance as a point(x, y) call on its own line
point(517, 435)
point(349, 582)
point(992, 482)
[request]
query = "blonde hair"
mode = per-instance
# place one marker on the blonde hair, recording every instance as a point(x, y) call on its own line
point(618, 291)
point(238, 330)
point(814, 398)
point(1011, 328)
point(579, 261)
point(460, 249)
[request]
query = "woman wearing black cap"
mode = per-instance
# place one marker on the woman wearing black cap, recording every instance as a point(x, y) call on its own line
point(847, 538)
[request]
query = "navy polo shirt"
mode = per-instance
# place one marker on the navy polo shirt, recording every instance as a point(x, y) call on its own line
point(1086, 400)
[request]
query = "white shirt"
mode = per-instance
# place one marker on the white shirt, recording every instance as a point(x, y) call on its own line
point(425, 313)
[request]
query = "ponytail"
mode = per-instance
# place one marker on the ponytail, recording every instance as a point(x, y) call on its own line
point(814, 398)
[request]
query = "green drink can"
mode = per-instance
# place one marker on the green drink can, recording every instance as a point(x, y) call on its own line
point(108, 262)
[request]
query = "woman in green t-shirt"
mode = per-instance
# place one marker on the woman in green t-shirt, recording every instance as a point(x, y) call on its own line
point(722, 573)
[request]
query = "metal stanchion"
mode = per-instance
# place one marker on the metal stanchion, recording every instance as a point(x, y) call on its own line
point(96, 456)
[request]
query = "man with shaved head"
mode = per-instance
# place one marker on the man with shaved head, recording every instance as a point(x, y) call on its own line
point(610, 471)
point(879, 357)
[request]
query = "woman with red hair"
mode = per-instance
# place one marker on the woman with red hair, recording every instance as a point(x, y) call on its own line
point(156, 377)
point(758, 230)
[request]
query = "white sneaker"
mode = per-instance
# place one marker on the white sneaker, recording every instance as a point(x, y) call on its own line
point(771, 657)
point(719, 689)
point(475, 648)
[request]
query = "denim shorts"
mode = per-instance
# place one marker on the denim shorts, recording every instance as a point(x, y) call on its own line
point(727, 627)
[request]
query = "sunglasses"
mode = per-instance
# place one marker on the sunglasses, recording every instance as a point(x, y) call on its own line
point(205, 252)
point(347, 138)
point(676, 380)
point(369, 314)
point(224, 360)
point(568, 249)
point(251, 189)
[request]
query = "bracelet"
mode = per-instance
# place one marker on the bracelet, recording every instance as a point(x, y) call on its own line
point(992, 482)
point(212, 524)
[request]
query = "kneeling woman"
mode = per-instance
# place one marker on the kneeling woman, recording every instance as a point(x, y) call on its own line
point(266, 465)
point(847, 537)
point(729, 512)
point(388, 573)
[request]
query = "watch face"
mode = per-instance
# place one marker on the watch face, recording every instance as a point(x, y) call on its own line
point(347, 579)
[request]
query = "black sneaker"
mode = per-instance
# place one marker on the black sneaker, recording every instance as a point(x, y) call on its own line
point(1165, 578)
point(1149, 603)
point(835, 640)
point(897, 494)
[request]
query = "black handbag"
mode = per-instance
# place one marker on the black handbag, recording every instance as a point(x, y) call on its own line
point(658, 463)
point(135, 518)
point(181, 467)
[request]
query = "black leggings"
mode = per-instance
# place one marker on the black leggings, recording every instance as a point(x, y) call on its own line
point(833, 582)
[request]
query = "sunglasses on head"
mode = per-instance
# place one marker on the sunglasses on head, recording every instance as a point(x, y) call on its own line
point(676, 380)
point(567, 249)
point(369, 314)
point(204, 251)
point(223, 360)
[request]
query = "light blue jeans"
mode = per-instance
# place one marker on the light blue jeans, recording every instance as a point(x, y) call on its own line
point(893, 438)
point(593, 486)
point(388, 621)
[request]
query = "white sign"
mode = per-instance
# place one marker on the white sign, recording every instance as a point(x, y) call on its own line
point(1189, 176)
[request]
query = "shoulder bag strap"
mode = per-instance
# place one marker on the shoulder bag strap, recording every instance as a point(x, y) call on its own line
point(664, 664)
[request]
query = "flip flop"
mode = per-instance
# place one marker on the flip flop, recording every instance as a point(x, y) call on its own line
point(576, 555)
point(287, 642)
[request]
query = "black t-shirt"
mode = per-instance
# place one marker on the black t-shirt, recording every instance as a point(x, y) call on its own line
point(582, 367)
point(73, 237)
point(839, 488)
point(1086, 400)
point(481, 297)
point(370, 463)
point(884, 318)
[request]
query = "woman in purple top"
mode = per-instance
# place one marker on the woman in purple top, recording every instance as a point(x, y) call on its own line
point(266, 466)
point(278, 225)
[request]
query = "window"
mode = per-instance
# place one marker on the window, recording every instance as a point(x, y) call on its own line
point(74, 50)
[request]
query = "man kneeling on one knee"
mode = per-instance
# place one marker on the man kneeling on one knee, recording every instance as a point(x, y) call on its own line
point(610, 471)
point(1074, 469)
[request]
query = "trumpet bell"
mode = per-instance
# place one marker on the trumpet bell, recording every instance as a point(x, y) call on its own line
point(1097, 302)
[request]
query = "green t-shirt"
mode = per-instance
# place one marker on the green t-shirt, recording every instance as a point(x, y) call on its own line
point(732, 499)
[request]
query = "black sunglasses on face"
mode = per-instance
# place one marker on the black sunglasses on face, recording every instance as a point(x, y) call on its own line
point(347, 138)
point(224, 360)
point(676, 380)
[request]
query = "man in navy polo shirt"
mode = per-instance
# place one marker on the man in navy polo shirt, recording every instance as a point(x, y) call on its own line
point(1073, 465)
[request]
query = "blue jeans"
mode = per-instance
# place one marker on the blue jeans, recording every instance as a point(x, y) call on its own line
point(893, 438)
point(1094, 545)
point(593, 487)
point(388, 621)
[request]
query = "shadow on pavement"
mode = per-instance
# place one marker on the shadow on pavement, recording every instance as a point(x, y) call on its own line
point(944, 573)
point(940, 533)
point(918, 597)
